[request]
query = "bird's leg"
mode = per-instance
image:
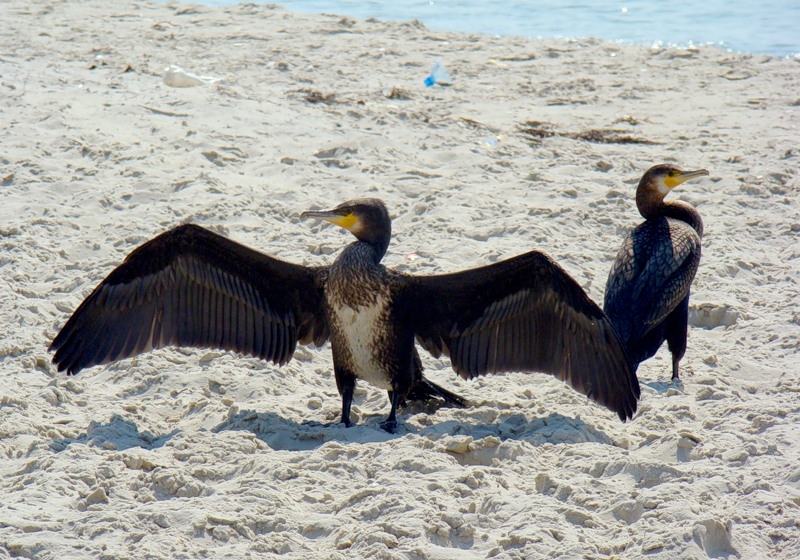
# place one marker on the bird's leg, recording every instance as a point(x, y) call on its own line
point(346, 383)
point(675, 361)
point(390, 425)
point(676, 333)
point(347, 400)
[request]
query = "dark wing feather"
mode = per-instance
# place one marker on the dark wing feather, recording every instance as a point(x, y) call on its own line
point(651, 275)
point(192, 287)
point(523, 314)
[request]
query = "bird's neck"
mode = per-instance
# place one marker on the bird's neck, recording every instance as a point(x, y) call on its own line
point(363, 252)
point(684, 212)
point(651, 208)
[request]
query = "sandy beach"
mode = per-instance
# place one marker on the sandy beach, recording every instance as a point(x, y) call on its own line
point(536, 144)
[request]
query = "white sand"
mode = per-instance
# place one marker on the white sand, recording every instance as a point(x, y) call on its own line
point(190, 454)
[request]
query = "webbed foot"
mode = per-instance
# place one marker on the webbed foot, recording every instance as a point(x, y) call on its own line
point(390, 426)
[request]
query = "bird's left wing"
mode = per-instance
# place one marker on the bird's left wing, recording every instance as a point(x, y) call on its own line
point(192, 287)
point(522, 314)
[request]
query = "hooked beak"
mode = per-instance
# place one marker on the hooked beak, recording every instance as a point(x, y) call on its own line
point(684, 176)
point(340, 217)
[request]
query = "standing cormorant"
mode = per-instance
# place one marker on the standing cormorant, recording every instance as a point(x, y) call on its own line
point(647, 293)
point(192, 287)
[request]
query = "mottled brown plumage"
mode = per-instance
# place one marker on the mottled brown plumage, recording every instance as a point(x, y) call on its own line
point(647, 293)
point(191, 287)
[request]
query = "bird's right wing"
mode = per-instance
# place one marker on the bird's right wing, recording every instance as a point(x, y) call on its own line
point(192, 287)
point(523, 314)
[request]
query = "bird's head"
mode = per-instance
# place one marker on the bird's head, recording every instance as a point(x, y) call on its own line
point(657, 182)
point(366, 218)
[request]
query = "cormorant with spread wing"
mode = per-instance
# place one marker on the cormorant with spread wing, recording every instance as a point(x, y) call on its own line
point(647, 293)
point(192, 287)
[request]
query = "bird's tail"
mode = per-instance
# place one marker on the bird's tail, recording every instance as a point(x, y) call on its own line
point(426, 390)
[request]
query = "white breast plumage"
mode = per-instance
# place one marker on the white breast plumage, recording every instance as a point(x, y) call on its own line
point(359, 327)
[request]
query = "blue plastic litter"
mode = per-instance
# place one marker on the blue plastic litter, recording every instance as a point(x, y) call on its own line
point(439, 75)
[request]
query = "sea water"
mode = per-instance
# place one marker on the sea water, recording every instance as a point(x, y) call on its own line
point(758, 27)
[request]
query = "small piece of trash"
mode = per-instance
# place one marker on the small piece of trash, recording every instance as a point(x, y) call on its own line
point(99, 61)
point(175, 76)
point(439, 75)
point(712, 315)
point(498, 63)
point(395, 92)
point(411, 257)
point(491, 141)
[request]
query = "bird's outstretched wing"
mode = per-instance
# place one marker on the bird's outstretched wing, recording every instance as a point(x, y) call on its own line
point(523, 314)
point(192, 287)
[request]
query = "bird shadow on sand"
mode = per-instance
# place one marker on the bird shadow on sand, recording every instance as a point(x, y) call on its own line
point(661, 387)
point(117, 433)
point(283, 434)
point(286, 435)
